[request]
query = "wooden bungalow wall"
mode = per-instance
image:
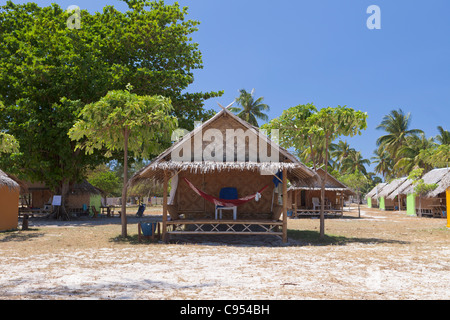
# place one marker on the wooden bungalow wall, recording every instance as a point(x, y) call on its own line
point(190, 204)
point(309, 194)
point(40, 198)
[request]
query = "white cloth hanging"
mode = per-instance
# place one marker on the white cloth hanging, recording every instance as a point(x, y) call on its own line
point(173, 190)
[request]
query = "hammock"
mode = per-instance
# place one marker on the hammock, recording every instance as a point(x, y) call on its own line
point(223, 202)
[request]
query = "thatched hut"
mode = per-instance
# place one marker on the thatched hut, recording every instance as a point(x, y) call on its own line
point(9, 202)
point(434, 202)
point(39, 196)
point(372, 197)
point(392, 199)
point(84, 193)
point(225, 152)
point(303, 199)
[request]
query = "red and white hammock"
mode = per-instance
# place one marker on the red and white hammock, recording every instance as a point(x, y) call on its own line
point(223, 202)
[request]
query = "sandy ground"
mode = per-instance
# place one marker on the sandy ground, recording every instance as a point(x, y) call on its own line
point(382, 255)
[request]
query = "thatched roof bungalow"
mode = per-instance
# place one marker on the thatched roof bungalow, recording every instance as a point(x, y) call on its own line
point(434, 202)
point(9, 202)
point(225, 151)
point(38, 195)
point(372, 196)
point(301, 196)
point(391, 199)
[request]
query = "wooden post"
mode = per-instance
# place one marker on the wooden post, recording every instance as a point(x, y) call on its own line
point(166, 178)
point(447, 207)
point(284, 206)
point(295, 203)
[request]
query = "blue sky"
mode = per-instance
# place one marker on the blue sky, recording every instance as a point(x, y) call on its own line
point(295, 52)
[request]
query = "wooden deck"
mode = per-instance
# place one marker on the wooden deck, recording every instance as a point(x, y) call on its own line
point(239, 227)
point(329, 213)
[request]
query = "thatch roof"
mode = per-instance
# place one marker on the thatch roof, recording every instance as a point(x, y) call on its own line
point(440, 176)
point(222, 121)
point(378, 188)
point(399, 189)
point(403, 187)
point(389, 190)
point(332, 184)
point(7, 181)
point(75, 188)
point(84, 187)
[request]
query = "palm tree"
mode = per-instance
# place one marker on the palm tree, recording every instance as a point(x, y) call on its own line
point(355, 161)
point(384, 162)
point(340, 151)
point(396, 124)
point(410, 156)
point(319, 150)
point(443, 137)
point(251, 109)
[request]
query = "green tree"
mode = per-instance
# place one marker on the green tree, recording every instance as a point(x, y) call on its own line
point(396, 124)
point(384, 162)
point(304, 126)
point(355, 162)
point(341, 151)
point(373, 180)
point(251, 109)
point(124, 121)
point(8, 144)
point(49, 72)
point(409, 154)
point(356, 181)
point(443, 137)
point(420, 187)
point(105, 179)
point(437, 156)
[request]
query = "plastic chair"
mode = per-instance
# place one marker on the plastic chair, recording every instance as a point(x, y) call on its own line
point(228, 193)
point(316, 203)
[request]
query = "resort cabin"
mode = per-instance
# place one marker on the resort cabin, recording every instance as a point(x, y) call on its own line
point(81, 197)
point(9, 202)
point(373, 198)
point(304, 200)
point(434, 203)
point(226, 177)
point(392, 199)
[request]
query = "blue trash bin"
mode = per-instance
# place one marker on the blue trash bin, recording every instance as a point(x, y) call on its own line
point(146, 228)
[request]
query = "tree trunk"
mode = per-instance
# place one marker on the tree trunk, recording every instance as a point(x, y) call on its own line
point(359, 205)
point(322, 209)
point(322, 193)
point(123, 214)
point(60, 212)
point(420, 206)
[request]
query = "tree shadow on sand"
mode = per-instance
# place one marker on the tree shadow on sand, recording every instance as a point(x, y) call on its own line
point(308, 237)
point(295, 238)
point(20, 235)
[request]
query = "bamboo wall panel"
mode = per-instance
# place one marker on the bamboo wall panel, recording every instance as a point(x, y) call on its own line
point(246, 182)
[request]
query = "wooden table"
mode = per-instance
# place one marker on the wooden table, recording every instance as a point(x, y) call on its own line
point(109, 211)
point(31, 212)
